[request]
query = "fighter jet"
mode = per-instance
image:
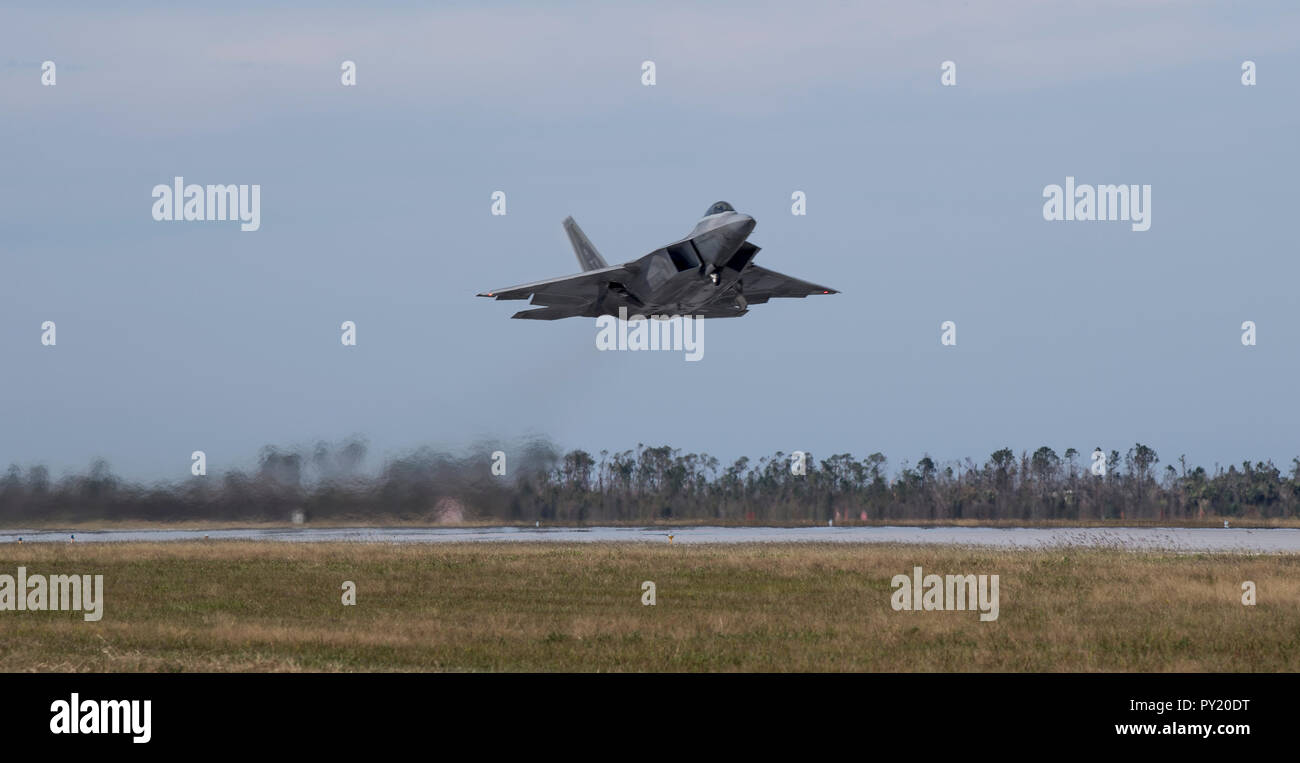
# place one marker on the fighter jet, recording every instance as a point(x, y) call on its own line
point(709, 273)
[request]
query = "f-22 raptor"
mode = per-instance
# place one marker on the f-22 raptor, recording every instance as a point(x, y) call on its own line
point(710, 273)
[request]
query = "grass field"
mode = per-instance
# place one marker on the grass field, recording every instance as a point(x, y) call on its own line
point(245, 606)
point(389, 520)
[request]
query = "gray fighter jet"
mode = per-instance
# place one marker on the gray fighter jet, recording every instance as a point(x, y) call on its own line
point(709, 273)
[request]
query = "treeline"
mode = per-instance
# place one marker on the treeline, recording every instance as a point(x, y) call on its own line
point(541, 483)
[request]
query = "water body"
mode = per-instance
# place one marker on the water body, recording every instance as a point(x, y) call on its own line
point(1273, 540)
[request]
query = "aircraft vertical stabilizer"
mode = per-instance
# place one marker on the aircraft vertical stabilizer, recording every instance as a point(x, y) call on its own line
point(588, 257)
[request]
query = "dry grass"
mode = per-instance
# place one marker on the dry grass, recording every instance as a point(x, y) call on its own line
point(261, 606)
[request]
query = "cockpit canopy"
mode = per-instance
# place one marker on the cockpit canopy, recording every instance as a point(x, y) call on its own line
point(720, 206)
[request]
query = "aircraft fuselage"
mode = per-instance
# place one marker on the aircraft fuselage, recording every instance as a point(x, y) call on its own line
point(697, 271)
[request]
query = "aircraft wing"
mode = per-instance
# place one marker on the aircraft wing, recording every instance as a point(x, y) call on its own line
point(567, 296)
point(761, 284)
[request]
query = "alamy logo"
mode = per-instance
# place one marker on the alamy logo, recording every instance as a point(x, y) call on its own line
point(946, 593)
point(679, 333)
point(68, 593)
point(102, 716)
point(214, 202)
point(1104, 202)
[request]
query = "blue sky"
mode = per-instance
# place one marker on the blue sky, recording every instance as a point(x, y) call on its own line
point(924, 205)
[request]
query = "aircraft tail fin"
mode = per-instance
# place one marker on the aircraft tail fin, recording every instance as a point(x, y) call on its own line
point(588, 257)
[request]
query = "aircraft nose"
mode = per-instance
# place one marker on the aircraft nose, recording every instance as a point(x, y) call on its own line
point(744, 223)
